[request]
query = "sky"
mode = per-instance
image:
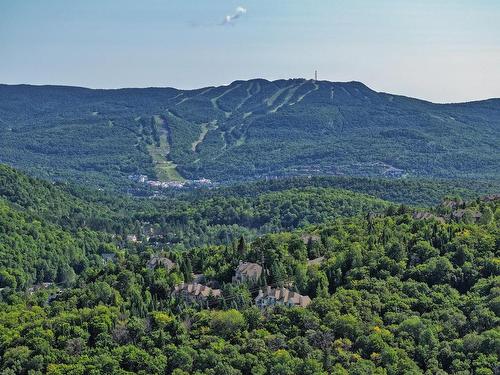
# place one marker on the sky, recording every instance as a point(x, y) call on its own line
point(439, 50)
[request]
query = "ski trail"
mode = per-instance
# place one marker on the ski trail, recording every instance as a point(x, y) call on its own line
point(216, 105)
point(205, 128)
point(223, 136)
point(180, 94)
point(289, 96)
point(191, 97)
point(258, 88)
point(204, 131)
point(183, 100)
point(347, 92)
point(249, 95)
point(316, 88)
point(270, 101)
point(205, 91)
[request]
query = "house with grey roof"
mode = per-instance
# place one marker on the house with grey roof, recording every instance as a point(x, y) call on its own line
point(316, 261)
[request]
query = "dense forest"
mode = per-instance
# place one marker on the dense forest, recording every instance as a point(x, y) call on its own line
point(244, 131)
point(88, 278)
point(392, 295)
point(218, 216)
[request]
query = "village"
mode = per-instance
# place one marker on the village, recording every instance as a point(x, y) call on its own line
point(199, 293)
point(143, 179)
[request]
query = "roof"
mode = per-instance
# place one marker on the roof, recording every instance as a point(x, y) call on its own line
point(284, 295)
point(491, 197)
point(163, 261)
point(248, 269)
point(460, 213)
point(427, 216)
point(132, 238)
point(315, 261)
point(108, 256)
point(196, 290)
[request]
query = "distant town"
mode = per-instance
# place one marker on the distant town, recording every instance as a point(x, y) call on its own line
point(143, 179)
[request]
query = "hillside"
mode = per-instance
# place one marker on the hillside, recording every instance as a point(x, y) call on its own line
point(215, 216)
point(192, 218)
point(390, 294)
point(33, 251)
point(247, 130)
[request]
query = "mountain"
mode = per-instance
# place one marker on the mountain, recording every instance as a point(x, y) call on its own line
point(246, 130)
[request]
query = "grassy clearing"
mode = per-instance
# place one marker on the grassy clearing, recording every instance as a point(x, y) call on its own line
point(166, 170)
point(204, 131)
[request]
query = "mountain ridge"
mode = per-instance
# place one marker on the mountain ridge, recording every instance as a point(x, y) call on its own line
point(246, 130)
point(239, 81)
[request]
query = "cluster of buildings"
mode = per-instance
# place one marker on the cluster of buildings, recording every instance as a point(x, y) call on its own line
point(166, 184)
point(280, 296)
point(143, 179)
point(456, 209)
point(248, 273)
point(196, 293)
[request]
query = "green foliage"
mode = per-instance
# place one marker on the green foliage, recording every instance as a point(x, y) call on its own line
point(392, 294)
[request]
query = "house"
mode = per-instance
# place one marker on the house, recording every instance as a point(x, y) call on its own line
point(159, 261)
point(53, 296)
point(427, 216)
point(38, 287)
point(280, 296)
point(459, 214)
point(451, 203)
point(193, 292)
point(490, 198)
point(198, 278)
point(247, 272)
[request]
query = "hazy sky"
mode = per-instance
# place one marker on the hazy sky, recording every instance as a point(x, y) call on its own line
point(437, 50)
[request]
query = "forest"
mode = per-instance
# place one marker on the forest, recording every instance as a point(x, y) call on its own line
point(396, 287)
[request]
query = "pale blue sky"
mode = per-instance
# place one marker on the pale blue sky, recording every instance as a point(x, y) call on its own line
point(437, 50)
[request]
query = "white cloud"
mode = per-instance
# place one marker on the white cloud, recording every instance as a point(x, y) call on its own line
point(231, 18)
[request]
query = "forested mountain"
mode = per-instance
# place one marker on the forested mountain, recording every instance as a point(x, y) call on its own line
point(246, 130)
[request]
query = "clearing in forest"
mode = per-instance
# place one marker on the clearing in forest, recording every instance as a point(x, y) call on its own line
point(204, 131)
point(166, 170)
